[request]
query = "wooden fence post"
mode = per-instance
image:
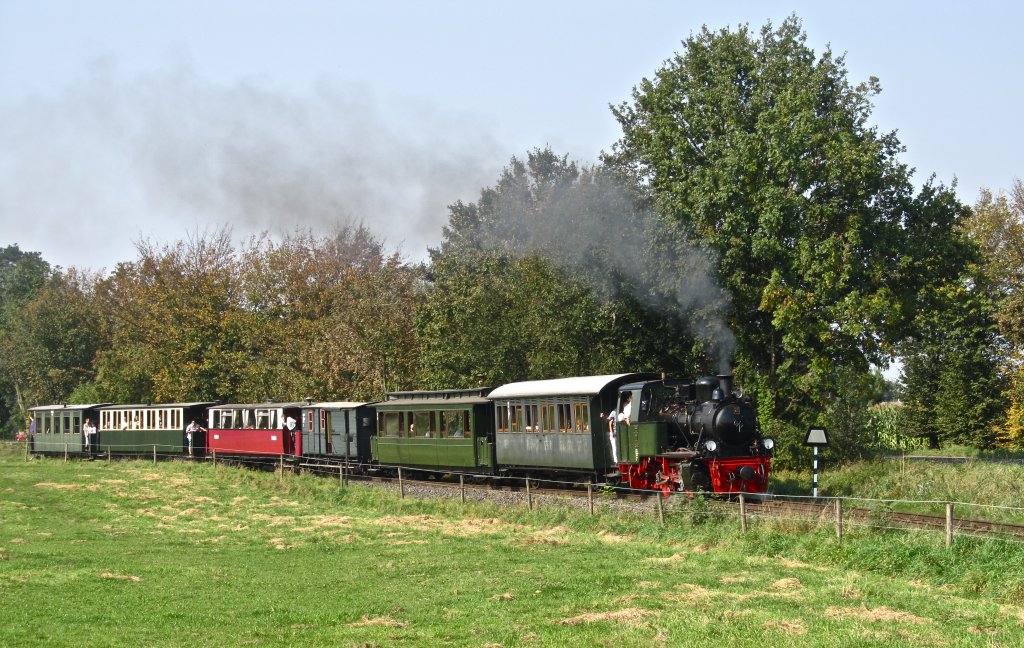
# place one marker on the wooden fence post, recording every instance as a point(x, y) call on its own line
point(590, 496)
point(743, 514)
point(341, 475)
point(281, 466)
point(839, 519)
point(661, 509)
point(529, 495)
point(949, 525)
point(108, 456)
point(462, 487)
point(401, 484)
point(65, 453)
point(27, 441)
point(154, 454)
point(215, 459)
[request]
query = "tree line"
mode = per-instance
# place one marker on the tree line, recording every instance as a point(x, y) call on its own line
point(750, 220)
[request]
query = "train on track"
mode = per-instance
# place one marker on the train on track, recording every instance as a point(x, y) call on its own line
point(638, 430)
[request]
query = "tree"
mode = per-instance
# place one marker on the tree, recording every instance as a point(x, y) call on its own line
point(22, 275)
point(306, 317)
point(759, 150)
point(177, 328)
point(52, 342)
point(997, 226)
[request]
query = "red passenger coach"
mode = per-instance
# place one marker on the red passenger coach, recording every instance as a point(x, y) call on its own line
point(263, 429)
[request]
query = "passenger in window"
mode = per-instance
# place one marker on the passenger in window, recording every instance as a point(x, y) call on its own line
point(626, 406)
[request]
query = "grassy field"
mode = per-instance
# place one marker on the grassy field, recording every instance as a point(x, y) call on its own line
point(173, 554)
point(988, 484)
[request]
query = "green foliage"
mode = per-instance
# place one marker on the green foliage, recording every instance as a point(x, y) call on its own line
point(761, 150)
point(23, 356)
point(997, 226)
point(951, 387)
point(309, 318)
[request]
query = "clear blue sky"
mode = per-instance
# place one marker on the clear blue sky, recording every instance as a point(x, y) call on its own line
point(124, 120)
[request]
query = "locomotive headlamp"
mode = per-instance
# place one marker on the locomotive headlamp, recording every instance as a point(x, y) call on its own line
point(768, 443)
point(711, 446)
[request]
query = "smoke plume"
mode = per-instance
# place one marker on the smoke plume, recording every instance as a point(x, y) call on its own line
point(112, 159)
point(587, 219)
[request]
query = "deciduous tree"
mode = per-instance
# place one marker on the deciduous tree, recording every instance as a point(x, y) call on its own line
point(760, 150)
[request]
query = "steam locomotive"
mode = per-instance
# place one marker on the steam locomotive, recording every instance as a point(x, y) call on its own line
point(694, 436)
point(637, 429)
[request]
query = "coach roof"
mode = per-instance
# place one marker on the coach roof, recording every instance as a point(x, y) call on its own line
point(270, 405)
point(64, 406)
point(579, 386)
point(334, 405)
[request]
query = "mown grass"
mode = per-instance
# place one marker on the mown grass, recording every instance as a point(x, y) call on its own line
point(133, 553)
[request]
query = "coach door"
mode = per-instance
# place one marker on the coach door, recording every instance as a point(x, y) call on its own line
point(327, 429)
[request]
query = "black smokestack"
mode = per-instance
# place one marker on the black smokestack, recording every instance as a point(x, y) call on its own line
point(725, 384)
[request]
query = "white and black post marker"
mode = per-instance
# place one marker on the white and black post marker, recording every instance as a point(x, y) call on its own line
point(816, 438)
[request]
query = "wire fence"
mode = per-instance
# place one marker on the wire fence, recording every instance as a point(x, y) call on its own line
point(798, 512)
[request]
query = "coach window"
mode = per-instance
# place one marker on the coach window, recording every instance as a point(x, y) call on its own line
point(530, 423)
point(547, 418)
point(455, 423)
point(564, 417)
point(515, 422)
point(458, 424)
point(582, 417)
point(424, 422)
point(390, 424)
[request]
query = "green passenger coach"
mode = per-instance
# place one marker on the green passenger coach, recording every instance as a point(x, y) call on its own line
point(135, 429)
point(559, 424)
point(448, 429)
point(60, 428)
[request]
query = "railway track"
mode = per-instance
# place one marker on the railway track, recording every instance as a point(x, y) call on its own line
point(514, 490)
